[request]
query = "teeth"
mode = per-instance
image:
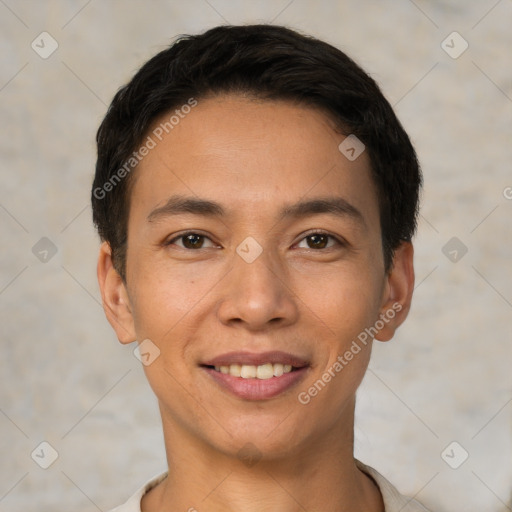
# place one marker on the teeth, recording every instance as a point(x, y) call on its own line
point(265, 371)
point(278, 370)
point(234, 369)
point(248, 371)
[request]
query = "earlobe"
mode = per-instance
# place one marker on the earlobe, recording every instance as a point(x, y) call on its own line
point(397, 298)
point(114, 296)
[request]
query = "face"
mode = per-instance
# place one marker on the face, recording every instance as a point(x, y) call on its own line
point(254, 247)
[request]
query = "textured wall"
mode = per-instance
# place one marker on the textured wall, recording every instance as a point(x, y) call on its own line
point(446, 376)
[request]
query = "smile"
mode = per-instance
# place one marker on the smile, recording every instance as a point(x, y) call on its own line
point(249, 371)
point(252, 376)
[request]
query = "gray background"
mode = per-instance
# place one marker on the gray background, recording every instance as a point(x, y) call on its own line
point(445, 377)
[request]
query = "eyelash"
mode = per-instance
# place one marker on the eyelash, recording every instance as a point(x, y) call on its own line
point(339, 242)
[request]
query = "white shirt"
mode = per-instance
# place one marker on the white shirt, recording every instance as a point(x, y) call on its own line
point(393, 500)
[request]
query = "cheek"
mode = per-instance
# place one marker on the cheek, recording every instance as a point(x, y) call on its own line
point(340, 309)
point(164, 294)
point(343, 301)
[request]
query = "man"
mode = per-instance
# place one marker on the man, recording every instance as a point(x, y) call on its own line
point(256, 197)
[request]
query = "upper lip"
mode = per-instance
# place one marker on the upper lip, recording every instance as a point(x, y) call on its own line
point(257, 359)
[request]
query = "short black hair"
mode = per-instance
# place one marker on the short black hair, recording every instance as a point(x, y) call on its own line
point(268, 62)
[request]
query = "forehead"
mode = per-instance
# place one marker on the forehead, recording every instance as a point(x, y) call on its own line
point(250, 153)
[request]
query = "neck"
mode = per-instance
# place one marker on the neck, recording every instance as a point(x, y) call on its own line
point(321, 475)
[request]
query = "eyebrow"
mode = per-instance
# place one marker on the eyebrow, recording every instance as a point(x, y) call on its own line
point(337, 206)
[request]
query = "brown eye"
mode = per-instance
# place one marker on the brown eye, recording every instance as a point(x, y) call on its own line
point(318, 241)
point(191, 241)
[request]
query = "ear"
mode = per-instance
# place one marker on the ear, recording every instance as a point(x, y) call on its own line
point(116, 303)
point(396, 301)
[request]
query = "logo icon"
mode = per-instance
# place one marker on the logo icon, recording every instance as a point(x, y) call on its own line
point(249, 455)
point(454, 455)
point(454, 45)
point(454, 250)
point(44, 250)
point(249, 249)
point(351, 147)
point(44, 455)
point(44, 45)
point(146, 352)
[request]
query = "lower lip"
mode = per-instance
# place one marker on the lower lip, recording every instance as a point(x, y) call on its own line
point(257, 389)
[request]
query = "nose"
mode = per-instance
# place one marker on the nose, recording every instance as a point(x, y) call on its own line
point(256, 295)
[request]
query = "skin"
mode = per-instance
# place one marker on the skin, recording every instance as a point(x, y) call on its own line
point(255, 157)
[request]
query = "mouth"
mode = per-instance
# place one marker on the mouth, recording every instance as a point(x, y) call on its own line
point(256, 376)
point(249, 371)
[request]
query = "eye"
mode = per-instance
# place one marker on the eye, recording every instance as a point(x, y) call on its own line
point(319, 240)
point(190, 240)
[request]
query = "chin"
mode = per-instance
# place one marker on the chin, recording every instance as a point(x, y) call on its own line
point(263, 436)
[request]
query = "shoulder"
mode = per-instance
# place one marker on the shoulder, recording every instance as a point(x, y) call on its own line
point(393, 500)
point(133, 504)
